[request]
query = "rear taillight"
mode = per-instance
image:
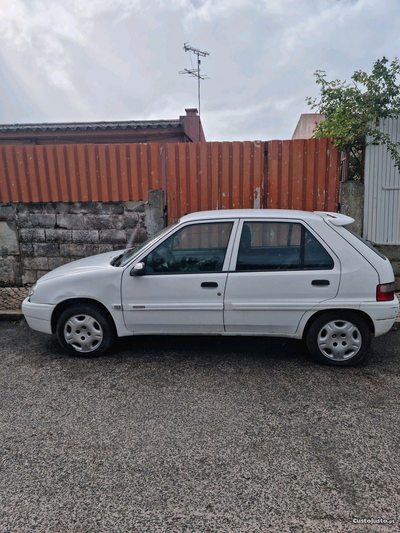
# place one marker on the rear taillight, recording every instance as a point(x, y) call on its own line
point(385, 292)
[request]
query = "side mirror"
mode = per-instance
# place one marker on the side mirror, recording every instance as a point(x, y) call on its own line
point(139, 269)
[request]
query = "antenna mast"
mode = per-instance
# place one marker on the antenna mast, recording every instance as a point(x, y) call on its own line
point(195, 72)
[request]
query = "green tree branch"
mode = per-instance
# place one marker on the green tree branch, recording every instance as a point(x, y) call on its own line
point(353, 110)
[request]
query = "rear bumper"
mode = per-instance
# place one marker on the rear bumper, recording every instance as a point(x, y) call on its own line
point(38, 316)
point(383, 326)
point(383, 314)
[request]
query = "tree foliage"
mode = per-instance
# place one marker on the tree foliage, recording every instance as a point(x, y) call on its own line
point(353, 110)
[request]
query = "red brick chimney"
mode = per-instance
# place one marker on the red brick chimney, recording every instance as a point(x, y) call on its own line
point(192, 126)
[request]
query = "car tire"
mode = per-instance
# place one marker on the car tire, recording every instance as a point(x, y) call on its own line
point(338, 338)
point(84, 330)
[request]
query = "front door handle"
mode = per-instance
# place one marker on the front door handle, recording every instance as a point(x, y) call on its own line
point(320, 282)
point(209, 284)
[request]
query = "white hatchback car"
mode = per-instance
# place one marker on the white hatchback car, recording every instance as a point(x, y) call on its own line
point(230, 272)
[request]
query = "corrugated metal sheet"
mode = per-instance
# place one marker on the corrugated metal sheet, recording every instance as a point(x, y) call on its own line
point(303, 174)
point(382, 190)
point(84, 126)
point(79, 172)
point(213, 175)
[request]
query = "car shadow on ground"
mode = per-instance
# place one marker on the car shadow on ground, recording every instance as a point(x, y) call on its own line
point(212, 346)
point(270, 350)
point(181, 347)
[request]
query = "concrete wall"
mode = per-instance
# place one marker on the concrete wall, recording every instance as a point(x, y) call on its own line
point(351, 199)
point(38, 237)
point(306, 125)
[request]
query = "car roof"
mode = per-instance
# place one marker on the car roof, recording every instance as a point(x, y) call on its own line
point(222, 214)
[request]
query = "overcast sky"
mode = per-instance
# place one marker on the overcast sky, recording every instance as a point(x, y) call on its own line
point(102, 60)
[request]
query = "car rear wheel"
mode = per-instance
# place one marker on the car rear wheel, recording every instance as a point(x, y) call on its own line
point(338, 338)
point(84, 330)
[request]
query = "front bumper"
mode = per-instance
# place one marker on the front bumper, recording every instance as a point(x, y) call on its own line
point(38, 316)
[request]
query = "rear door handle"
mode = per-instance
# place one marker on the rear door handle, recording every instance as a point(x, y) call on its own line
point(320, 282)
point(209, 284)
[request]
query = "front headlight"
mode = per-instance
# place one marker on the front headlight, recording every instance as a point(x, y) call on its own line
point(31, 291)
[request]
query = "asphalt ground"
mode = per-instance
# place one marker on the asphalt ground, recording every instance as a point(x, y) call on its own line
point(192, 434)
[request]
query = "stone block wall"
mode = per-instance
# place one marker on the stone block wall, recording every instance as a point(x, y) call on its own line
point(38, 237)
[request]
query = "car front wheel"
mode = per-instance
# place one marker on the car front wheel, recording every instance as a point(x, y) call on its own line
point(338, 338)
point(84, 330)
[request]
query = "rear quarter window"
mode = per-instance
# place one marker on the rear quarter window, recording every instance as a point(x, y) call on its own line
point(367, 243)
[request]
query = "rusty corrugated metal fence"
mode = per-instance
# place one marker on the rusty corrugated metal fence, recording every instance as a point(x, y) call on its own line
point(214, 175)
point(303, 174)
point(79, 172)
point(297, 174)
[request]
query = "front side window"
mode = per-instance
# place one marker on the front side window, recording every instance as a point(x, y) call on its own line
point(280, 246)
point(194, 248)
point(130, 253)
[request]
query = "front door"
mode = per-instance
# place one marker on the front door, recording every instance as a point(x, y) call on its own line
point(279, 270)
point(183, 288)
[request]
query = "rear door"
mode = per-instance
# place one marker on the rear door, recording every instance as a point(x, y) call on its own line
point(279, 270)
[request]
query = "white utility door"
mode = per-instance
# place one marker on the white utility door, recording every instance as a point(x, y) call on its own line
point(279, 270)
point(182, 290)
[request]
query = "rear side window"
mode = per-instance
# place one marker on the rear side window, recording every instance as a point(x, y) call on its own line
point(280, 246)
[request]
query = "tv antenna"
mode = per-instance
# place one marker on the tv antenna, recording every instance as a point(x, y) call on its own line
point(195, 72)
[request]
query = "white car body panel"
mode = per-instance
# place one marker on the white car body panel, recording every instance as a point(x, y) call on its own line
point(273, 302)
point(89, 264)
point(173, 304)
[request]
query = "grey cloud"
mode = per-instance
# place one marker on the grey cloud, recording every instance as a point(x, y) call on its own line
point(119, 59)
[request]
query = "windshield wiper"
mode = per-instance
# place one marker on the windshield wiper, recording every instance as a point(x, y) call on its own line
point(117, 260)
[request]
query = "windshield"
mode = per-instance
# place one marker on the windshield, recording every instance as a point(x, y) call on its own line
point(130, 253)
